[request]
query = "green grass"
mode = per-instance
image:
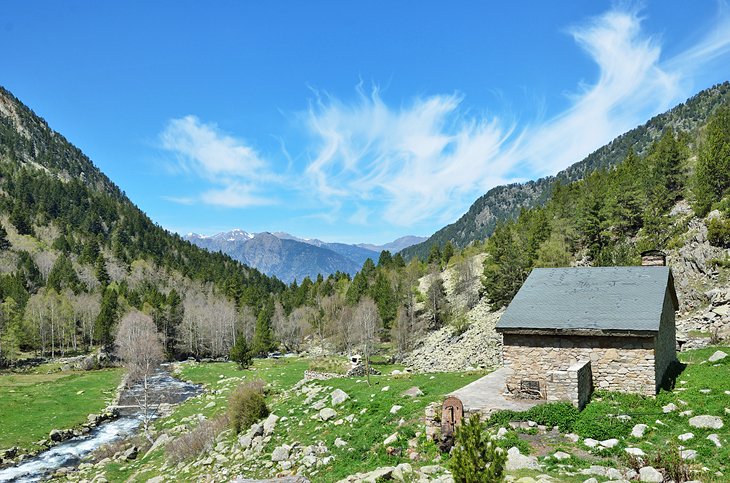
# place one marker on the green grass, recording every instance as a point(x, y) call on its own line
point(365, 436)
point(598, 420)
point(33, 404)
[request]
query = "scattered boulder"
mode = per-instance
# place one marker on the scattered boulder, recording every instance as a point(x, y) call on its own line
point(340, 443)
point(685, 436)
point(688, 454)
point(717, 356)
point(338, 397)
point(130, 453)
point(415, 391)
point(590, 442)
point(651, 474)
point(635, 452)
point(715, 439)
point(270, 424)
point(561, 455)
point(639, 430)
point(609, 443)
point(390, 439)
point(518, 461)
point(706, 421)
point(669, 408)
point(280, 453)
point(395, 409)
point(327, 414)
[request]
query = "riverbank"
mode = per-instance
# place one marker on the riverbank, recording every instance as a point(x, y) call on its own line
point(34, 404)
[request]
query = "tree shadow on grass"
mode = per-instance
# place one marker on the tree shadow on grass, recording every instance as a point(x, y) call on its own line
point(670, 376)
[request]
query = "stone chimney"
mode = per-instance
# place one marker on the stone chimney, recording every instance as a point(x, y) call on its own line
point(653, 258)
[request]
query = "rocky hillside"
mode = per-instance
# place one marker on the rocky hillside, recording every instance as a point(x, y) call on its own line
point(703, 289)
point(505, 202)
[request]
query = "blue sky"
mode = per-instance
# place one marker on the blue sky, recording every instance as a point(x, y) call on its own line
point(348, 121)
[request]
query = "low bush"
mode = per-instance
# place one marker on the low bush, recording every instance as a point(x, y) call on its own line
point(197, 441)
point(246, 405)
point(670, 459)
point(460, 323)
point(718, 233)
point(599, 421)
point(563, 415)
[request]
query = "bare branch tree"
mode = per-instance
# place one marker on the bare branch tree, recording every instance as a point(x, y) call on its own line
point(140, 348)
point(368, 320)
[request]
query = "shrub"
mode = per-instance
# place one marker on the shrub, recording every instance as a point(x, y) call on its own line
point(246, 405)
point(563, 415)
point(475, 458)
point(197, 441)
point(675, 468)
point(460, 323)
point(718, 233)
point(598, 421)
point(241, 353)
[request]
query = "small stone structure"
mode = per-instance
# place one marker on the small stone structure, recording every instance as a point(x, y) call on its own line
point(574, 384)
point(571, 329)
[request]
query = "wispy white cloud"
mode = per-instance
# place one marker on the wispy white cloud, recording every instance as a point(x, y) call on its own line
point(204, 150)
point(235, 195)
point(418, 158)
point(429, 159)
point(426, 160)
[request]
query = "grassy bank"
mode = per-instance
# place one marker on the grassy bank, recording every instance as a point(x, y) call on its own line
point(368, 406)
point(33, 404)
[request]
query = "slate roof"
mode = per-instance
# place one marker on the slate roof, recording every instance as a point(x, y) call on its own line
point(620, 299)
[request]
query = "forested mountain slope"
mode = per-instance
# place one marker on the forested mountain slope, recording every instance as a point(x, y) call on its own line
point(76, 254)
point(505, 202)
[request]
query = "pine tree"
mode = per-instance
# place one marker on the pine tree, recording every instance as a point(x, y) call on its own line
point(712, 174)
point(385, 259)
point(63, 275)
point(100, 268)
point(475, 457)
point(435, 255)
point(263, 338)
point(107, 318)
point(505, 268)
point(447, 253)
point(4, 243)
point(385, 298)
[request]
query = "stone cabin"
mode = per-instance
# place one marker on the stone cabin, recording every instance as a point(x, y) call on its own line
point(569, 330)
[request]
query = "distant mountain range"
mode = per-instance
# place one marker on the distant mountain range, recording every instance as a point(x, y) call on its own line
point(290, 258)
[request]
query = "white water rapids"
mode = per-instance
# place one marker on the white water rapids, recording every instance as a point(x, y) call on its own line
point(72, 451)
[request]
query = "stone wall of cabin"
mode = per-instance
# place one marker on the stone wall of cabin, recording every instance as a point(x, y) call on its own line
point(624, 364)
point(666, 341)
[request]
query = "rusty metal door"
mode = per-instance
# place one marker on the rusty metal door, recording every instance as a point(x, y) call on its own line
point(452, 413)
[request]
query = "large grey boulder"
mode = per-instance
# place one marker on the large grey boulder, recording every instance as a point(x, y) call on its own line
point(706, 421)
point(280, 453)
point(270, 424)
point(338, 397)
point(717, 356)
point(639, 430)
point(327, 414)
point(415, 391)
point(648, 473)
point(518, 461)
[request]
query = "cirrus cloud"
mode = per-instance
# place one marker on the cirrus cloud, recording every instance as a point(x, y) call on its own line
point(366, 161)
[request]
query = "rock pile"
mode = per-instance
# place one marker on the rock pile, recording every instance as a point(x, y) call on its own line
point(443, 351)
